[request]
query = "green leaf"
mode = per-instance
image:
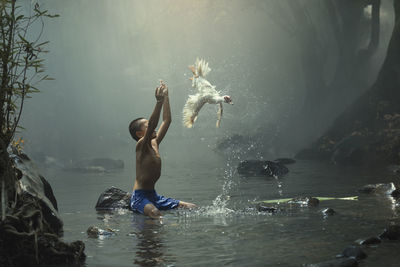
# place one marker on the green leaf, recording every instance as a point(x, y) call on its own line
point(22, 38)
point(19, 17)
point(42, 43)
point(285, 200)
point(53, 16)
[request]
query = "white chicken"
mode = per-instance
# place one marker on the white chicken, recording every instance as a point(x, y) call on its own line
point(206, 93)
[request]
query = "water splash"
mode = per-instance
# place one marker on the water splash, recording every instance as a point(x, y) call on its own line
point(219, 205)
point(279, 184)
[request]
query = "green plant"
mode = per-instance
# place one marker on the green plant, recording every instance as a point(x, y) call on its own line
point(21, 69)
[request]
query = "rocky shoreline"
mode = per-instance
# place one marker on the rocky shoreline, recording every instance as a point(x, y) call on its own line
point(30, 234)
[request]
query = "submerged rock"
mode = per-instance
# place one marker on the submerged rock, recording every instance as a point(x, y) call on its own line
point(371, 241)
point(262, 168)
point(263, 208)
point(95, 232)
point(95, 165)
point(113, 198)
point(354, 252)
point(285, 161)
point(342, 262)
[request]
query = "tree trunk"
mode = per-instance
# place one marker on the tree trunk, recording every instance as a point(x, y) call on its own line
point(388, 82)
point(374, 119)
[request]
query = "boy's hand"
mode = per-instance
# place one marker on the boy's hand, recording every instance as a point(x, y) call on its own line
point(165, 88)
point(160, 93)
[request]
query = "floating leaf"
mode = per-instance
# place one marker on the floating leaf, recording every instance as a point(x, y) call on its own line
point(285, 200)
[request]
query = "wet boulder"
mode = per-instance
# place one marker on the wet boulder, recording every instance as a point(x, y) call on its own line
point(30, 234)
point(35, 186)
point(263, 208)
point(395, 193)
point(354, 252)
point(373, 240)
point(95, 232)
point(379, 189)
point(113, 198)
point(328, 212)
point(95, 165)
point(392, 232)
point(261, 168)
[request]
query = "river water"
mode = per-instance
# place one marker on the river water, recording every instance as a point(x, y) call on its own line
point(226, 229)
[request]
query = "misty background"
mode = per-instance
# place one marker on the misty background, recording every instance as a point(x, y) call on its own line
point(107, 58)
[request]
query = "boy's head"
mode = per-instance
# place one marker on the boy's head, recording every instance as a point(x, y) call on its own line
point(138, 127)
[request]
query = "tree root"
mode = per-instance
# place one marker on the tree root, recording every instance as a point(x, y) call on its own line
point(27, 239)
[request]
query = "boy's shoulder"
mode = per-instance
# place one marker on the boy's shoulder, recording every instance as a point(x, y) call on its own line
point(140, 144)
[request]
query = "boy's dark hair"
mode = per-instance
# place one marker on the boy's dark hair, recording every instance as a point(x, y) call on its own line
point(135, 126)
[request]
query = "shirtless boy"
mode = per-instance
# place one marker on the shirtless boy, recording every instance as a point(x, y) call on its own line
point(148, 162)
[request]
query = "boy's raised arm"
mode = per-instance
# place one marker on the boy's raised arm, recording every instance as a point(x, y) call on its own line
point(166, 116)
point(155, 116)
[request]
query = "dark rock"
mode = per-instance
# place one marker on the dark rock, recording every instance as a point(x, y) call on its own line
point(30, 233)
point(353, 252)
point(371, 241)
point(35, 185)
point(342, 262)
point(95, 232)
point(48, 192)
point(95, 165)
point(285, 161)
point(263, 208)
point(395, 193)
point(54, 252)
point(261, 168)
point(385, 189)
point(392, 232)
point(114, 198)
point(328, 211)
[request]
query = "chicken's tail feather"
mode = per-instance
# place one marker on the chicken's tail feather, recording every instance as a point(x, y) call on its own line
point(188, 114)
point(201, 68)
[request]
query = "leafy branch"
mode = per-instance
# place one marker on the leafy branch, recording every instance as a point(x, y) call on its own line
point(21, 62)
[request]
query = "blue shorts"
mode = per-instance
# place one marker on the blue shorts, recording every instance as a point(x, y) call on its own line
point(141, 198)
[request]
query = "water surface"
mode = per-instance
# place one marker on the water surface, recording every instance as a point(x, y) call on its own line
point(226, 229)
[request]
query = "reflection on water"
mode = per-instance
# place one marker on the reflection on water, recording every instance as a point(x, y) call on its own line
point(150, 248)
point(227, 229)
